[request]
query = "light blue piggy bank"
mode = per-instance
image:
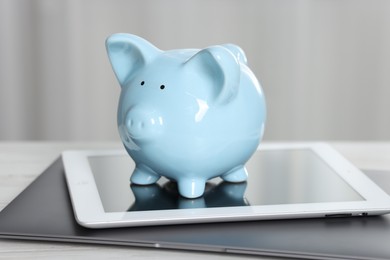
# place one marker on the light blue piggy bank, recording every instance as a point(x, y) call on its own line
point(189, 115)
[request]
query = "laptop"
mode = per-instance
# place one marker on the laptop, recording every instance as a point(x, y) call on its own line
point(43, 211)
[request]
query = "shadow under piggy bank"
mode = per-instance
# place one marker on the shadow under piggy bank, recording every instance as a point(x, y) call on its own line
point(156, 197)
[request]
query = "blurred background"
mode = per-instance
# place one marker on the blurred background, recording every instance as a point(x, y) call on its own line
point(324, 65)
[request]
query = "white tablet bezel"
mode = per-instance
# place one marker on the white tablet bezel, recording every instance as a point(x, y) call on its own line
point(89, 211)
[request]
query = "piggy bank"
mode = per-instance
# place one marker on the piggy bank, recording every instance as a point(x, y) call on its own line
point(187, 114)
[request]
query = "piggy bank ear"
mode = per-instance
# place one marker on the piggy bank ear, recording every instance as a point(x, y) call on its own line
point(128, 53)
point(220, 65)
point(237, 52)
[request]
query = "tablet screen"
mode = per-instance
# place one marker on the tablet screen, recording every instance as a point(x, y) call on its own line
point(286, 176)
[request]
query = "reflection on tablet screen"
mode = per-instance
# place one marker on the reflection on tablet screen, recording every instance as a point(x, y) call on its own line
point(275, 177)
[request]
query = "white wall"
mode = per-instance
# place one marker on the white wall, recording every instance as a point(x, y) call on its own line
point(324, 65)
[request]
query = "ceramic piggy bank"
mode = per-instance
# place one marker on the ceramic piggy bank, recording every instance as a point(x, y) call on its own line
point(189, 115)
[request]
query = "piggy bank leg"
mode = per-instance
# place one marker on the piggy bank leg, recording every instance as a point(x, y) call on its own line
point(237, 174)
point(143, 175)
point(191, 188)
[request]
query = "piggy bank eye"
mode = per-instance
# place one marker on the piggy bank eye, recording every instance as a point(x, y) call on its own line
point(142, 83)
point(162, 87)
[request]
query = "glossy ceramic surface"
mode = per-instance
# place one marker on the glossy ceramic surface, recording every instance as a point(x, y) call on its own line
point(187, 114)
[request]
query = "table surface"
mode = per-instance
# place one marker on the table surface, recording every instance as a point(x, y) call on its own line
point(22, 162)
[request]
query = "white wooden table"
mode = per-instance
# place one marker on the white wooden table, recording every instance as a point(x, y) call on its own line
point(22, 162)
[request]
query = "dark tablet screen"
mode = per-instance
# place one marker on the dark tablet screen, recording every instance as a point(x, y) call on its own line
point(287, 176)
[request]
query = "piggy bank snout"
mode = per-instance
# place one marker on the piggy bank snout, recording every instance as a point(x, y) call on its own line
point(143, 122)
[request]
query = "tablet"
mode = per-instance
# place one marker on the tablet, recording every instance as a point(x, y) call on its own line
point(286, 180)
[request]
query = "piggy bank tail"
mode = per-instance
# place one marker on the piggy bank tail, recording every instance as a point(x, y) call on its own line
point(237, 52)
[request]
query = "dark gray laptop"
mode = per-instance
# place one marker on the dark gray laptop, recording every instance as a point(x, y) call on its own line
point(43, 212)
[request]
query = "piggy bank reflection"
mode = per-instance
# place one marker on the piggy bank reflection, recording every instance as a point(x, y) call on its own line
point(189, 115)
point(156, 197)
